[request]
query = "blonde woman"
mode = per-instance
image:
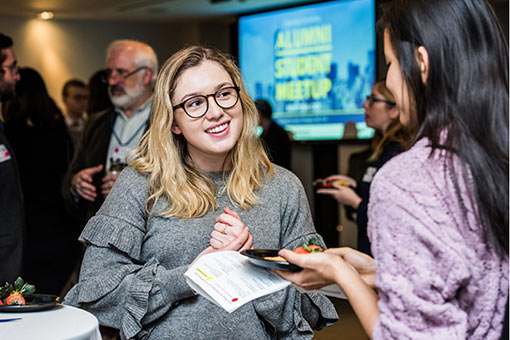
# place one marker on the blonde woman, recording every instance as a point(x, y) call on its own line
point(200, 182)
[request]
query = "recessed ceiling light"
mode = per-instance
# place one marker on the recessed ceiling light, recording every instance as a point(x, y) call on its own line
point(46, 15)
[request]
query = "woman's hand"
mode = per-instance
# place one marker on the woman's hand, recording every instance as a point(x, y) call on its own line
point(361, 262)
point(335, 265)
point(242, 242)
point(343, 195)
point(319, 269)
point(230, 232)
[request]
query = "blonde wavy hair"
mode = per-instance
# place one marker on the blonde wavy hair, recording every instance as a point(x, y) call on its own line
point(164, 157)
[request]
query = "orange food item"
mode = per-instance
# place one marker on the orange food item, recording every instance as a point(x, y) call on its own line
point(315, 248)
point(15, 299)
point(301, 250)
point(275, 258)
point(341, 182)
point(331, 183)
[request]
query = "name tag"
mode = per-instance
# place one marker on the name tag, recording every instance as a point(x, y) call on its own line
point(369, 174)
point(120, 153)
point(4, 153)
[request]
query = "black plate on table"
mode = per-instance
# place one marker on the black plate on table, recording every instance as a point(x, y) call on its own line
point(257, 257)
point(34, 303)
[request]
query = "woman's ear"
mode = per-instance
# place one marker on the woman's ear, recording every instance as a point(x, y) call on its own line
point(394, 112)
point(176, 129)
point(422, 58)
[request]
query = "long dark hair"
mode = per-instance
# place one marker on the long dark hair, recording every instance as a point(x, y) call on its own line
point(32, 100)
point(466, 94)
point(99, 100)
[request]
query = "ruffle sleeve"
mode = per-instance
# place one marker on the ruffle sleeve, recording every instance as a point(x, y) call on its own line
point(122, 289)
point(290, 314)
point(115, 245)
point(108, 231)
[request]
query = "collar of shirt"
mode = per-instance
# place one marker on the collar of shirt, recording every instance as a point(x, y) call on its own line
point(78, 123)
point(129, 132)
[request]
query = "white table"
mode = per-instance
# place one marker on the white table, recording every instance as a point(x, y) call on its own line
point(59, 323)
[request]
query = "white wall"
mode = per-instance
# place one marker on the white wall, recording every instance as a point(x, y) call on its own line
point(64, 49)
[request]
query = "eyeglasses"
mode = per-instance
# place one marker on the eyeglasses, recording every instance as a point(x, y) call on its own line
point(373, 99)
point(197, 106)
point(122, 73)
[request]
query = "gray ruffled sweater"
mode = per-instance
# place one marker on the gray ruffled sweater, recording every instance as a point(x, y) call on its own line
point(132, 272)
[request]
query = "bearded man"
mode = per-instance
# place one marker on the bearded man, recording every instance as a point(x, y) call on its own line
point(12, 214)
point(131, 71)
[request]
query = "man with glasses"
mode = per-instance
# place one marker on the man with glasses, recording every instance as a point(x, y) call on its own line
point(108, 138)
point(11, 197)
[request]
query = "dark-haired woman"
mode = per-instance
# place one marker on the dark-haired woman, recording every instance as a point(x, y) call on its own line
point(99, 100)
point(438, 213)
point(37, 133)
point(381, 114)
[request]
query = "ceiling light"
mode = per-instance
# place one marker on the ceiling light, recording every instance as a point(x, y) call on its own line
point(46, 15)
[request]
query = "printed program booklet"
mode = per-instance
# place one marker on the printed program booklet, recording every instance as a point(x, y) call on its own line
point(229, 280)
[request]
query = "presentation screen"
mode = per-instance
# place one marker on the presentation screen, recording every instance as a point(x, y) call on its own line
point(315, 64)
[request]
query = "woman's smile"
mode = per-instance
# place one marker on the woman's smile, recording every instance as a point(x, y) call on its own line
point(219, 130)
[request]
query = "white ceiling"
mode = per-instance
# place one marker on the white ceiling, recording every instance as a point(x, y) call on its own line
point(141, 9)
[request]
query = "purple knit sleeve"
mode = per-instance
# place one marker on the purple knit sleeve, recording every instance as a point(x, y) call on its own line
point(430, 266)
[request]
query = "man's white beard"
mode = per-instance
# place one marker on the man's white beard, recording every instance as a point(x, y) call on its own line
point(127, 100)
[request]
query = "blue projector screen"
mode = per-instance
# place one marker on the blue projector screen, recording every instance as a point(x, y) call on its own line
point(315, 64)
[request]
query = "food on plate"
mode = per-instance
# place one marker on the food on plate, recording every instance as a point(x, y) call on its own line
point(15, 299)
point(13, 294)
point(310, 247)
point(341, 182)
point(306, 248)
point(275, 258)
point(330, 183)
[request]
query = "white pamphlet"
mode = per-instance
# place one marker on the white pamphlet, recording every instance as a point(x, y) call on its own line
point(229, 280)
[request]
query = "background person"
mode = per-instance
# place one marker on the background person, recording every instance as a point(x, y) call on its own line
point(11, 196)
point(381, 114)
point(275, 139)
point(98, 99)
point(159, 218)
point(438, 213)
point(75, 95)
point(38, 136)
point(109, 136)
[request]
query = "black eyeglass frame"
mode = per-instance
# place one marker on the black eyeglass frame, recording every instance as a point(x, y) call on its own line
point(109, 73)
point(206, 96)
point(373, 99)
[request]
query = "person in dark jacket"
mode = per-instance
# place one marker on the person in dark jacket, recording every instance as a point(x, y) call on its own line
point(38, 135)
point(110, 135)
point(381, 114)
point(275, 139)
point(11, 196)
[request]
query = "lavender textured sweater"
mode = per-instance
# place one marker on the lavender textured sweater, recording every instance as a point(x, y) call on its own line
point(435, 277)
